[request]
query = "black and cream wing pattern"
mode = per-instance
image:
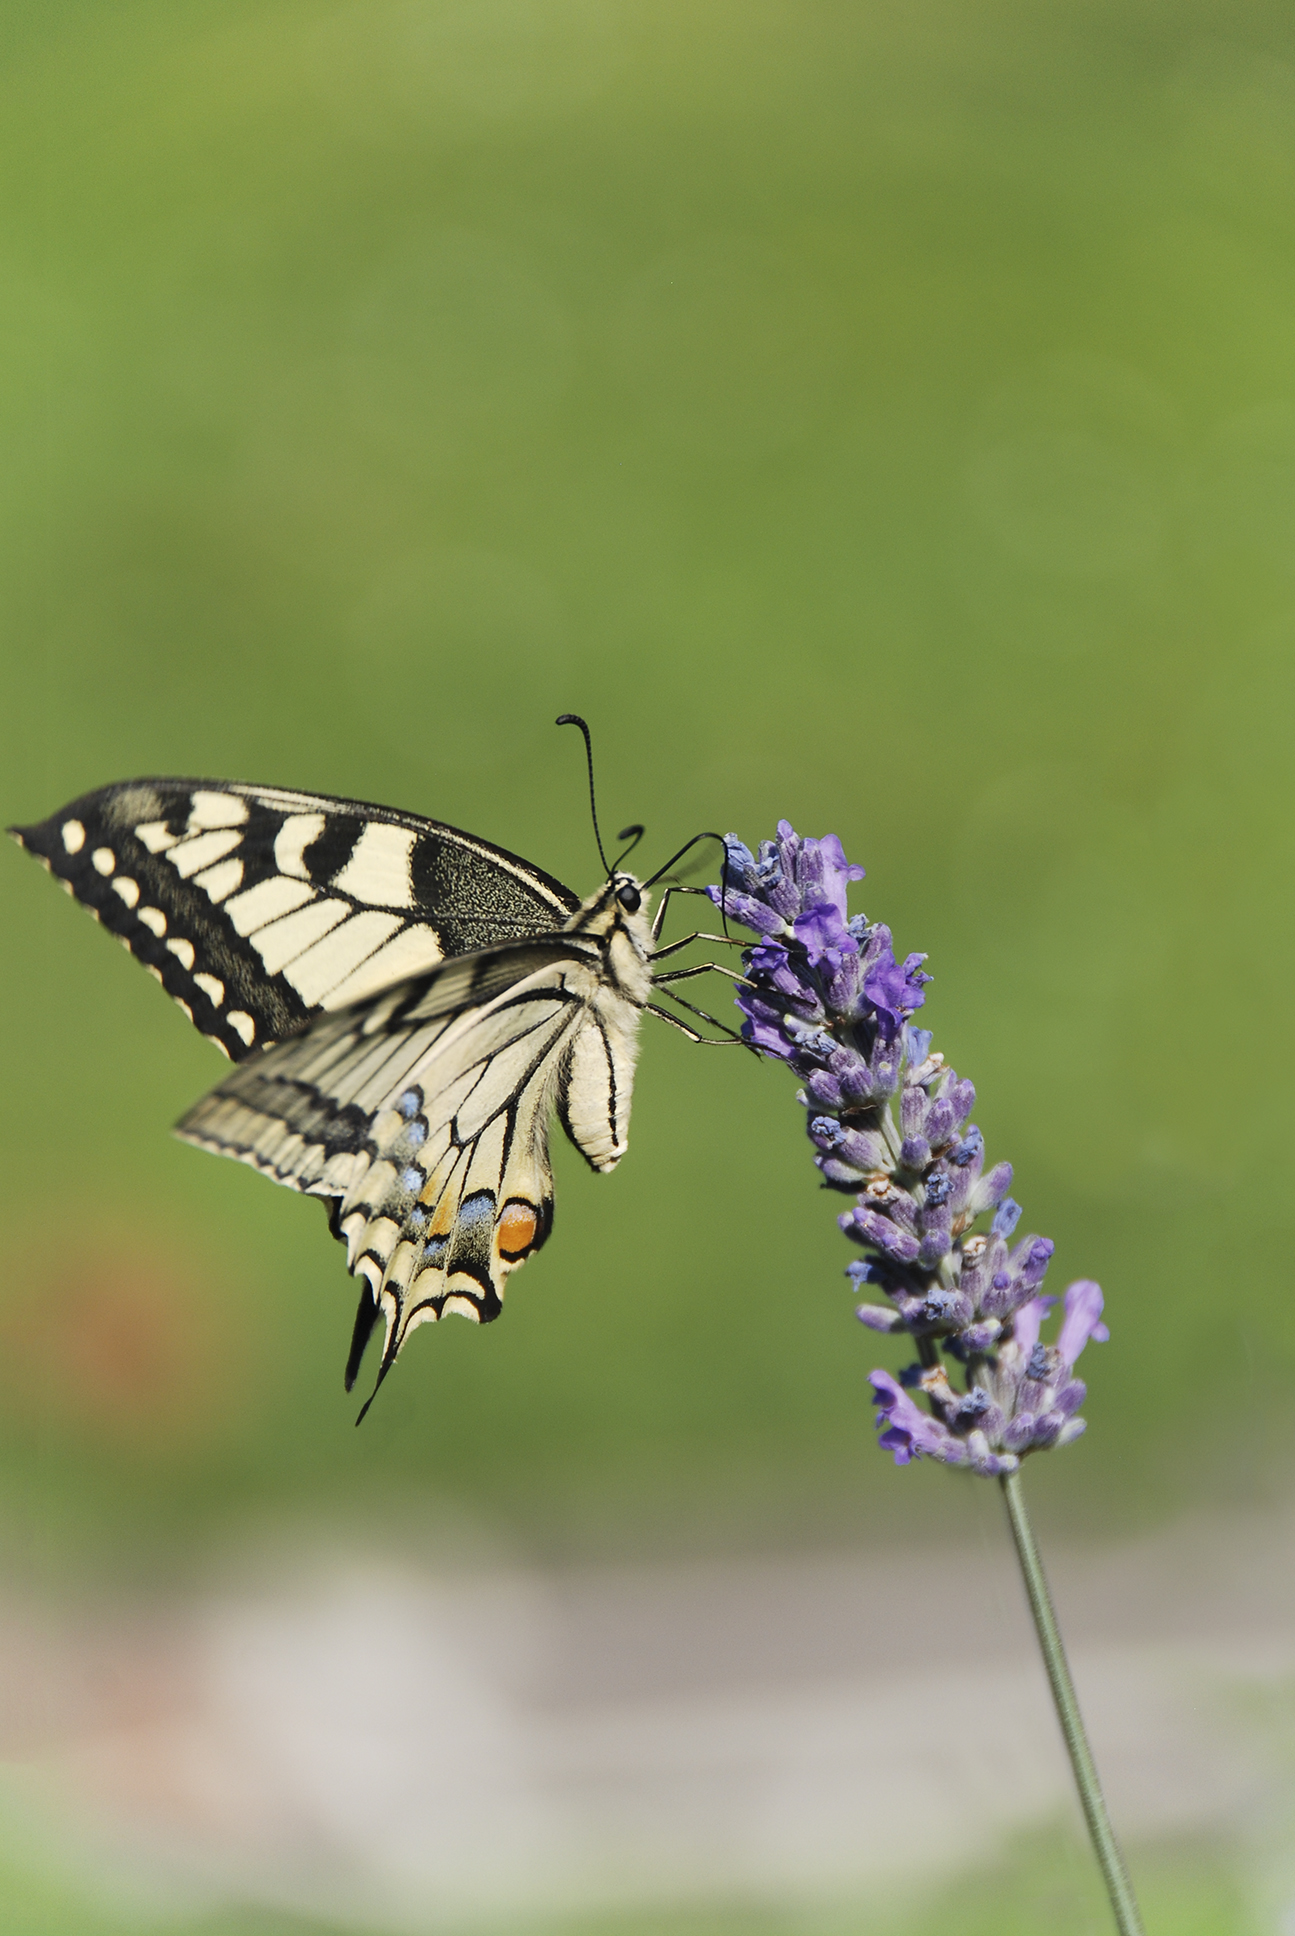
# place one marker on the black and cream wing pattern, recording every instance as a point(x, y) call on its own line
point(256, 908)
point(408, 1006)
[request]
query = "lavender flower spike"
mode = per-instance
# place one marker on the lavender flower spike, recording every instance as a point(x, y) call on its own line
point(890, 1126)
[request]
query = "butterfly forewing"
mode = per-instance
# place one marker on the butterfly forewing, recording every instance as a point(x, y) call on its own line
point(257, 908)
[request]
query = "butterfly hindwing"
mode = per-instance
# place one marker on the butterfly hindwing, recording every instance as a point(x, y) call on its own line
point(424, 1113)
point(257, 908)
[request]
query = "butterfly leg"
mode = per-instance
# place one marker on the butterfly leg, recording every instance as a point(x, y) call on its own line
point(702, 968)
point(676, 887)
point(731, 1041)
point(686, 974)
point(723, 941)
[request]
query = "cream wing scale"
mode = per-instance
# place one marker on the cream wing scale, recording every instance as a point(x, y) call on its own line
point(425, 1112)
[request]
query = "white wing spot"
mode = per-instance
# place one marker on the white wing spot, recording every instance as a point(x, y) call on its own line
point(156, 973)
point(213, 986)
point(292, 840)
point(242, 1024)
point(266, 902)
point(73, 836)
point(128, 889)
point(183, 952)
point(222, 879)
point(191, 856)
point(104, 859)
point(378, 870)
point(155, 836)
point(155, 919)
point(217, 810)
point(185, 1006)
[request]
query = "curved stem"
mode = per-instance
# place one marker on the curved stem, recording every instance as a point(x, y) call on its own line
point(1107, 1850)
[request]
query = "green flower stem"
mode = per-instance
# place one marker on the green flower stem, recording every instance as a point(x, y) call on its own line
point(1107, 1850)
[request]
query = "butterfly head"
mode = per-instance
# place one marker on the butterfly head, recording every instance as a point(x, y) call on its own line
point(621, 902)
point(617, 912)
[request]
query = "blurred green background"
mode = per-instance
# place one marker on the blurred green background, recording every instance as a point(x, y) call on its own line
point(882, 417)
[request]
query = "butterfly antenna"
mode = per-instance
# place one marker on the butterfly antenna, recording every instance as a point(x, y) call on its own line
point(574, 719)
point(633, 835)
point(683, 850)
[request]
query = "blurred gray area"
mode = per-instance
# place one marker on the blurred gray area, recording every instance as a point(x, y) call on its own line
point(347, 1735)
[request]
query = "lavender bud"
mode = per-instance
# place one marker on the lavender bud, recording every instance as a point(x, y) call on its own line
point(990, 1189)
point(740, 869)
point(1030, 1261)
point(917, 1042)
point(1006, 1218)
point(878, 1318)
point(866, 1148)
point(1019, 1432)
point(824, 1089)
point(837, 1171)
point(866, 1226)
point(935, 1247)
point(857, 1083)
point(979, 1337)
point(960, 1096)
point(768, 868)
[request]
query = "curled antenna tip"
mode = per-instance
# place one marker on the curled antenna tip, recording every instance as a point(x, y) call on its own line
point(574, 719)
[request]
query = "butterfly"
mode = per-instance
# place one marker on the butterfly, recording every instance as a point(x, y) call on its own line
point(407, 1006)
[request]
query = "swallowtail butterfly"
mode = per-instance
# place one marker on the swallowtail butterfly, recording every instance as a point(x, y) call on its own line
point(407, 1006)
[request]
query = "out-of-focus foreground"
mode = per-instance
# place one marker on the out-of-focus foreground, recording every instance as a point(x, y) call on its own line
point(882, 417)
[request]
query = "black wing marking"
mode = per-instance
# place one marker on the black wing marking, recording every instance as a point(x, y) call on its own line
point(256, 908)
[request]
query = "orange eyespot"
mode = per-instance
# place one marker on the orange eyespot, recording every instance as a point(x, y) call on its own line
point(516, 1229)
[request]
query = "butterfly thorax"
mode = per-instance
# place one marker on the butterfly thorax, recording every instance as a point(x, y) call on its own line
point(622, 933)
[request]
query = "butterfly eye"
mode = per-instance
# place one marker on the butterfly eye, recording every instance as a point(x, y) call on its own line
point(629, 897)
